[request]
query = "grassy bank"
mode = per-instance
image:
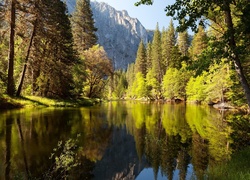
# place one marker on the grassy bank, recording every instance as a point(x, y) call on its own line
point(7, 102)
point(237, 168)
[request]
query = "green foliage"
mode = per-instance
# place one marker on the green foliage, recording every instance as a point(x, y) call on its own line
point(53, 56)
point(79, 75)
point(65, 159)
point(196, 88)
point(119, 85)
point(98, 69)
point(183, 43)
point(219, 81)
point(83, 26)
point(156, 55)
point(211, 86)
point(141, 59)
point(139, 88)
point(130, 74)
point(152, 85)
point(170, 83)
point(236, 168)
point(175, 81)
point(227, 18)
point(199, 43)
point(172, 58)
point(149, 55)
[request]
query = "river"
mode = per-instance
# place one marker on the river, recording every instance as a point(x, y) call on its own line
point(114, 140)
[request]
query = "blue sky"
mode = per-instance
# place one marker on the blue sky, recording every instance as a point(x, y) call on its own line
point(147, 15)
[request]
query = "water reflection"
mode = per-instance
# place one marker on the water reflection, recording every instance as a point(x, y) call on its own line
point(118, 140)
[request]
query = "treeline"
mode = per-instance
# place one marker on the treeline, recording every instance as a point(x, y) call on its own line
point(230, 22)
point(45, 51)
point(184, 67)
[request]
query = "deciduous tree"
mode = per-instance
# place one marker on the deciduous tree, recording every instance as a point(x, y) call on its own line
point(98, 68)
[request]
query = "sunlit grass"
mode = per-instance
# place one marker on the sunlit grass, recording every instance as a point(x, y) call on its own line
point(237, 168)
point(7, 102)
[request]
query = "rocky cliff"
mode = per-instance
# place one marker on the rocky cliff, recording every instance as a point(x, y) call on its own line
point(117, 32)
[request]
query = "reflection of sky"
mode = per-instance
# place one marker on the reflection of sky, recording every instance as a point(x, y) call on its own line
point(148, 174)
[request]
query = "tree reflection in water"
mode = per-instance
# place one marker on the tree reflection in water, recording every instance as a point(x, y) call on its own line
point(120, 139)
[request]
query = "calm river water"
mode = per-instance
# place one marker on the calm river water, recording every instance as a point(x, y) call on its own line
point(115, 140)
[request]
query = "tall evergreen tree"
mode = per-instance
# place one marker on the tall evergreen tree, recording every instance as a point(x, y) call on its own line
point(170, 45)
point(27, 19)
point(156, 55)
point(53, 56)
point(165, 50)
point(199, 43)
point(183, 43)
point(83, 26)
point(149, 55)
point(141, 60)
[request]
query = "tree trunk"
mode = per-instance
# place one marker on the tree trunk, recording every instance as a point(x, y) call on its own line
point(234, 54)
point(26, 60)
point(11, 83)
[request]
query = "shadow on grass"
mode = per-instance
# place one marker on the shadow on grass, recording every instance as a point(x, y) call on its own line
point(9, 104)
point(32, 100)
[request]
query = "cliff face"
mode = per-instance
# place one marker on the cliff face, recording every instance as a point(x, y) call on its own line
point(117, 32)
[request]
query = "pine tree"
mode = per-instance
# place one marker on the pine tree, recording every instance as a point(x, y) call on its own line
point(183, 43)
point(83, 26)
point(149, 55)
point(26, 31)
point(141, 60)
point(199, 43)
point(156, 55)
point(170, 44)
point(165, 50)
point(53, 56)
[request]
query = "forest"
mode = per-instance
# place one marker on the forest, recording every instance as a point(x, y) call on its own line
point(45, 51)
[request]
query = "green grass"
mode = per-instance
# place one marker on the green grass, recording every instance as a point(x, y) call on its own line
point(238, 168)
point(7, 102)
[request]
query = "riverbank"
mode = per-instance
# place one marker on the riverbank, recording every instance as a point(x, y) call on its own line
point(7, 102)
point(236, 168)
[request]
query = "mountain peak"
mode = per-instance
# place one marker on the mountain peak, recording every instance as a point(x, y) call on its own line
point(117, 32)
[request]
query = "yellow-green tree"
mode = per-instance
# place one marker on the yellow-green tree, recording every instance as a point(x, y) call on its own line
point(98, 68)
point(196, 88)
point(139, 88)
